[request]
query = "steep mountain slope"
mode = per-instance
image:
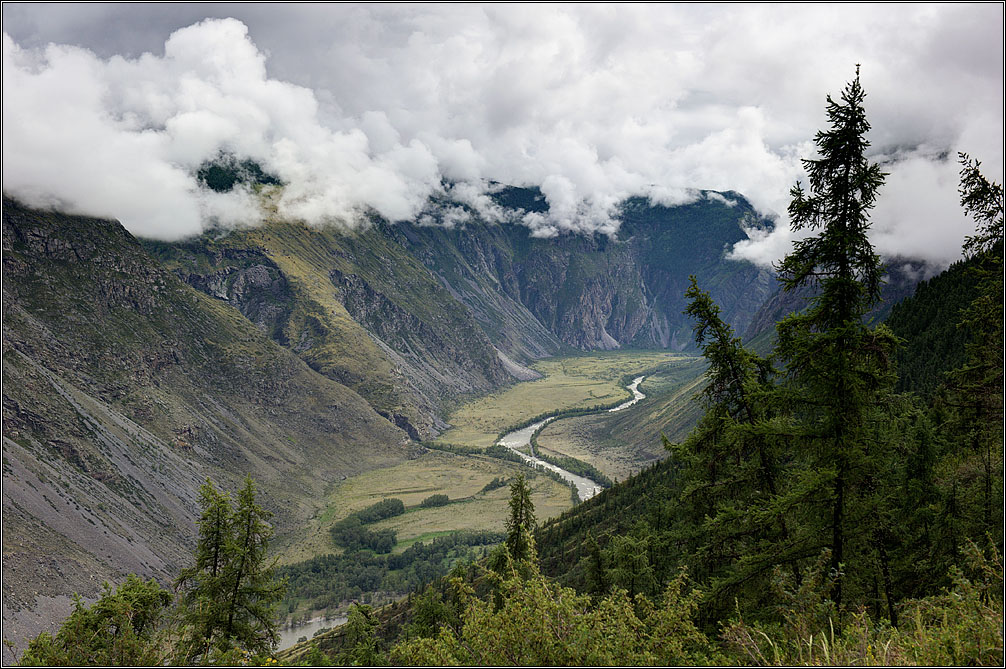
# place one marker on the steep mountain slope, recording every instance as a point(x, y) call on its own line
point(413, 315)
point(534, 295)
point(123, 388)
point(902, 276)
point(354, 306)
point(928, 321)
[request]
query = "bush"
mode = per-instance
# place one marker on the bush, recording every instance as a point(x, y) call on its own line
point(435, 500)
point(121, 628)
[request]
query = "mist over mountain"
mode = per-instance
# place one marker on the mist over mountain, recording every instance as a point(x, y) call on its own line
point(373, 109)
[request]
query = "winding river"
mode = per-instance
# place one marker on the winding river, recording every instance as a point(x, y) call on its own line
point(515, 440)
point(521, 438)
point(288, 635)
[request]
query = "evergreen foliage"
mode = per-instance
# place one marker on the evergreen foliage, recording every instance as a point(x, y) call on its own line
point(521, 524)
point(328, 581)
point(837, 369)
point(351, 534)
point(927, 323)
point(121, 629)
point(975, 389)
point(229, 592)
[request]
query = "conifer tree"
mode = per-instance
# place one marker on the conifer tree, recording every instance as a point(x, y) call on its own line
point(228, 593)
point(837, 368)
point(521, 524)
point(975, 390)
point(729, 525)
point(250, 576)
point(203, 584)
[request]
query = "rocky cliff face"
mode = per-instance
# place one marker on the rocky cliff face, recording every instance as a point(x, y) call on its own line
point(536, 297)
point(123, 389)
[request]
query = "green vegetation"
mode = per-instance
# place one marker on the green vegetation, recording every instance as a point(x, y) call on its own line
point(584, 383)
point(436, 500)
point(351, 535)
point(570, 464)
point(228, 594)
point(328, 582)
point(226, 172)
point(123, 628)
point(821, 517)
point(933, 343)
point(224, 611)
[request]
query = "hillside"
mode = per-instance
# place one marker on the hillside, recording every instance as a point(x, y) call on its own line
point(533, 295)
point(928, 323)
point(355, 308)
point(123, 389)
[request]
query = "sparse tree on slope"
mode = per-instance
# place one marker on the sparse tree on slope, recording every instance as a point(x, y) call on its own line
point(521, 524)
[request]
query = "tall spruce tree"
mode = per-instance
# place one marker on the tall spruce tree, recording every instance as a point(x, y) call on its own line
point(521, 524)
point(838, 368)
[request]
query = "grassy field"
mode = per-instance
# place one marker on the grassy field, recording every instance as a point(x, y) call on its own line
point(623, 443)
point(457, 476)
point(570, 382)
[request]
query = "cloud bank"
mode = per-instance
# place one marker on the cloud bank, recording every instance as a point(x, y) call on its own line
point(374, 108)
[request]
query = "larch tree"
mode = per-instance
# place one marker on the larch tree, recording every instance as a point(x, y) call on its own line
point(838, 368)
point(229, 592)
point(975, 390)
point(521, 524)
point(729, 526)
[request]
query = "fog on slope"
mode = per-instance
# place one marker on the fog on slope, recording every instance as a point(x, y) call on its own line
point(374, 109)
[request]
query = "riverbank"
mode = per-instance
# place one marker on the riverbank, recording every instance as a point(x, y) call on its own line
point(521, 438)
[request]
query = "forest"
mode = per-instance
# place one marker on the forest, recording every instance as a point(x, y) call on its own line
point(839, 503)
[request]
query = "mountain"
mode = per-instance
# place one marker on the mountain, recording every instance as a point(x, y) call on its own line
point(902, 277)
point(924, 315)
point(355, 307)
point(413, 315)
point(132, 371)
point(535, 295)
point(123, 389)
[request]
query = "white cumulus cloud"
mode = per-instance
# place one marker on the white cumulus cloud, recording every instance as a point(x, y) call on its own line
point(374, 108)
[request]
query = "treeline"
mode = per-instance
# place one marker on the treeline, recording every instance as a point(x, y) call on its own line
point(568, 413)
point(569, 463)
point(933, 343)
point(815, 459)
point(351, 534)
point(330, 581)
point(500, 452)
point(503, 611)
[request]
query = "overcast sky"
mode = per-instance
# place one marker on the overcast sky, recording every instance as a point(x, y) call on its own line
point(109, 109)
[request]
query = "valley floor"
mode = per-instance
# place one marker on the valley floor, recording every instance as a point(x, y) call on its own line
point(567, 383)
